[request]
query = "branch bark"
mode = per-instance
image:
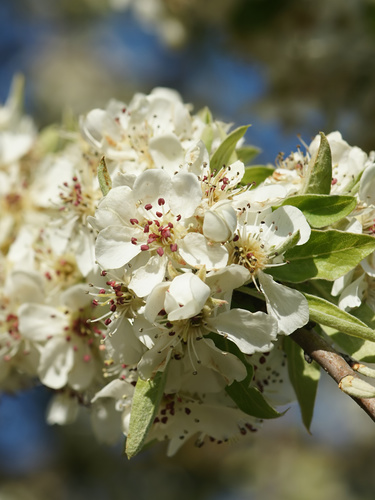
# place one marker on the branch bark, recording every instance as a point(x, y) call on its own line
point(332, 362)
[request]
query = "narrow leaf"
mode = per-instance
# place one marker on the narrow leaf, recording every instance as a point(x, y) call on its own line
point(304, 378)
point(247, 153)
point(326, 313)
point(146, 400)
point(256, 174)
point(327, 255)
point(248, 399)
point(322, 210)
point(104, 178)
point(319, 174)
point(223, 154)
point(251, 401)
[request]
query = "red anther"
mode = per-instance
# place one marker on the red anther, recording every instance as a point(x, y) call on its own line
point(334, 181)
point(65, 184)
point(86, 358)
point(95, 302)
point(157, 223)
point(160, 251)
point(134, 240)
point(48, 275)
point(236, 237)
point(178, 218)
point(146, 228)
point(103, 273)
point(144, 248)
point(68, 338)
point(159, 214)
point(161, 201)
point(133, 221)
point(102, 290)
point(108, 321)
point(110, 283)
point(173, 247)
point(118, 293)
point(170, 224)
point(113, 307)
point(148, 206)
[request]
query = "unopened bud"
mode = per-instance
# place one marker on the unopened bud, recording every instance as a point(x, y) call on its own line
point(356, 387)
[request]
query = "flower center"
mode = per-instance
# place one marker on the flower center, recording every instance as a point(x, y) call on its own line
point(249, 253)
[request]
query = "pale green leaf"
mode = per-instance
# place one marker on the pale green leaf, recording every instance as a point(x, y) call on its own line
point(247, 153)
point(327, 314)
point(304, 377)
point(224, 153)
point(322, 210)
point(327, 255)
point(256, 174)
point(146, 400)
point(319, 173)
point(105, 181)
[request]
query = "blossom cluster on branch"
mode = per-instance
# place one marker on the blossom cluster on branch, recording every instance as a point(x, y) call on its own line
point(149, 275)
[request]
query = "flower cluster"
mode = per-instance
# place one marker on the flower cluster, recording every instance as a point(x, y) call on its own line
point(161, 272)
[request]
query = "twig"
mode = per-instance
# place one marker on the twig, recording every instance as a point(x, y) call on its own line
point(334, 364)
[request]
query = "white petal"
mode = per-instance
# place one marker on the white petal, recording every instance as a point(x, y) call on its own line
point(155, 301)
point(147, 277)
point(56, 361)
point(220, 222)
point(189, 295)
point(150, 186)
point(227, 279)
point(114, 248)
point(167, 152)
point(116, 389)
point(198, 252)
point(284, 222)
point(83, 369)
point(39, 322)
point(251, 332)
point(289, 307)
point(62, 409)
point(186, 194)
point(352, 295)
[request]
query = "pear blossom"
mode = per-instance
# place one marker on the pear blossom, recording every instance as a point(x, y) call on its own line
point(183, 313)
point(261, 239)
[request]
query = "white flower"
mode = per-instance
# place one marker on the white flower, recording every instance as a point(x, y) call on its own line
point(261, 240)
point(184, 313)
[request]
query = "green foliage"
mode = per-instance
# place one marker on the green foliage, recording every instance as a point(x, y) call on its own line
point(327, 255)
point(360, 350)
point(247, 153)
point(304, 377)
point(326, 313)
point(225, 153)
point(248, 399)
point(319, 173)
point(322, 210)
point(105, 181)
point(257, 174)
point(146, 400)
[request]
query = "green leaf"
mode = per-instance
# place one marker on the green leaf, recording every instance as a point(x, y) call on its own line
point(256, 174)
point(322, 210)
point(251, 401)
point(327, 255)
point(224, 153)
point(326, 313)
point(319, 173)
point(247, 153)
point(146, 400)
point(360, 350)
point(304, 378)
point(104, 178)
point(248, 399)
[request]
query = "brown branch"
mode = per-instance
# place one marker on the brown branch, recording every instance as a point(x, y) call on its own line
point(334, 364)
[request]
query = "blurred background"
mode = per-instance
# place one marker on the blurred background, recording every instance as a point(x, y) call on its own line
point(288, 67)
